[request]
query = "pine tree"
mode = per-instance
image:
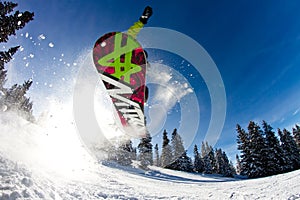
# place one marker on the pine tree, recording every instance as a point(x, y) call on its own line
point(275, 157)
point(212, 159)
point(177, 144)
point(145, 151)
point(5, 57)
point(204, 152)
point(183, 163)
point(10, 23)
point(238, 164)
point(258, 150)
point(198, 162)
point(134, 153)
point(16, 100)
point(285, 152)
point(296, 134)
point(208, 157)
point(208, 169)
point(229, 170)
point(125, 153)
point(156, 160)
point(290, 149)
point(232, 168)
point(166, 154)
point(223, 166)
point(13, 98)
point(220, 162)
point(244, 146)
point(177, 151)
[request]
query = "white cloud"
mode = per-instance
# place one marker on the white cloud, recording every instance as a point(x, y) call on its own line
point(296, 111)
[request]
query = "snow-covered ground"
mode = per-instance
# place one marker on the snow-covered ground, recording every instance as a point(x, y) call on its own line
point(48, 162)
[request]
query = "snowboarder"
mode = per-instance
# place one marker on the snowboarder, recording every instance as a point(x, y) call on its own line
point(121, 62)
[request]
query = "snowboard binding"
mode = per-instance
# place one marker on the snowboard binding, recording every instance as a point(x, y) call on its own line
point(146, 15)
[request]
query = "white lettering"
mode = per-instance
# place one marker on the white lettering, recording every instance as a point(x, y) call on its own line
point(130, 109)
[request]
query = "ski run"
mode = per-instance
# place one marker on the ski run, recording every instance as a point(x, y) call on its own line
point(39, 162)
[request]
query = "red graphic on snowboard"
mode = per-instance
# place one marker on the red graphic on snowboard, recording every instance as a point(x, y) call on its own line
point(121, 63)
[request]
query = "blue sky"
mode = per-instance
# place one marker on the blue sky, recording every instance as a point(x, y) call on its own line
point(255, 45)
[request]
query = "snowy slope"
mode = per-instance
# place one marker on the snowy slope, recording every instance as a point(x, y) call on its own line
point(38, 162)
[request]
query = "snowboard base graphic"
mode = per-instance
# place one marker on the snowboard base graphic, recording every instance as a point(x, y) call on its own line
point(121, 62)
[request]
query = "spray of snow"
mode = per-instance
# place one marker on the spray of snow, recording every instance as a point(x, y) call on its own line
point(41, 37)
point(51, 45)
point(92, 105)
point(171, 88)
point(50, 144)
point(176, 88)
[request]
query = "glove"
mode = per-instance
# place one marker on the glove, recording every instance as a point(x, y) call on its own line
point(146, 15)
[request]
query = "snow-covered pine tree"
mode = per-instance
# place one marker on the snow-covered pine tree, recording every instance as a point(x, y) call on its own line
point(223, 166)
point(238, 164)
point(275, 160)
point(203, 150)
point(290, 149)
point(198, 162)
point(220, 164)
point(258, 151)
point(125, 153)
point(10, 23)
point(207, 154)
point(212, 158)
point(208, 169)
point(244, 147)
point(229, 170)
point(296, 134)
point(156, 160)
point(182, 161)
point(287, 167)
point(13, 98)
point(232, 168)
point(166, 154)
point(5, 57)
point(177, 145)
point(177, 151)
point(145, 151)
point(16, 100)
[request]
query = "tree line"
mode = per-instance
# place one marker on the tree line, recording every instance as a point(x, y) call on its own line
point(263, 153)
point(171, 155)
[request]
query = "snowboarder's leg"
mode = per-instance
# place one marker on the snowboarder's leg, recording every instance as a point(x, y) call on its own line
point(134, 30)
point(137, 26)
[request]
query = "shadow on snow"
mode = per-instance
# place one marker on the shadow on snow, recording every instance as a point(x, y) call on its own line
point(163, 176)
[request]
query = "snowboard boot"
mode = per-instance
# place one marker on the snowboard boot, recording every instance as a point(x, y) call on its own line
point(146, 15)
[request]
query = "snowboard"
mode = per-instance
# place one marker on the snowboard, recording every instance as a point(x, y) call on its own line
point(121, 63)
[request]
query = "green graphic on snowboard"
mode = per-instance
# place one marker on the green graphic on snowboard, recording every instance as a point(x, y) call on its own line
point(123, 67)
